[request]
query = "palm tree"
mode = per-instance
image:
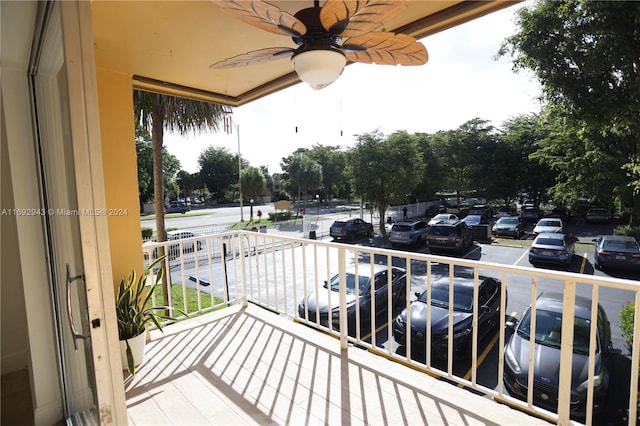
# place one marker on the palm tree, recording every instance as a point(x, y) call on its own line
point(157, 112)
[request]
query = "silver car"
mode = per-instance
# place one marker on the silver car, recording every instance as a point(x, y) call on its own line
point(551, 224)
point(552, 248)
point(408, 232)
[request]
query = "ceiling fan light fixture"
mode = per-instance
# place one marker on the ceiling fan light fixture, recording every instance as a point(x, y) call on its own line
point(319, 66)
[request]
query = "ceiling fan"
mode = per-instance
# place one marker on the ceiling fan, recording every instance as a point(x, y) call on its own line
point(327, 37)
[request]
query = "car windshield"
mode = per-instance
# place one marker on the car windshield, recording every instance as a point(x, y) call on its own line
point(443, 230)
point(363, 283)
point(508, 221)
point(401, 228)
point(549, 327)
point(545, 222)
point(549, 241)
point(441, 217)
point(339, 224)
point(462, 300)
point(618, 245)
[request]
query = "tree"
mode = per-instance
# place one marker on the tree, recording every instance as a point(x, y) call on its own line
point(384, 170)
point(155, 113)
point(302, 172)
point(219, 170)
point(253, 185)
point(144, 157)
point(520, 138)
point(432, 179)
point(332, 160)
point(586, 56)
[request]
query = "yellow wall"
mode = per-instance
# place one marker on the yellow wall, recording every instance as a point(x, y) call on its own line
point(115, 94)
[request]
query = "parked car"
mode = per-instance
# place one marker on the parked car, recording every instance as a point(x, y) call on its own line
point(482, 210)
point(474, 219)
point(620, 252)
point(546, 357)
point(506, 211)
point(435, 209)
point(530, 214)
point(489, 313)
point(456, 236)
point(173, 250)
point(552, 225)
point(177, 207)
point(597, 215)
point(511, 226)
point(561, 213)
point(444, 218)
point(552, 248)
point(350, 229)
point(363, 288)
point(407, 232)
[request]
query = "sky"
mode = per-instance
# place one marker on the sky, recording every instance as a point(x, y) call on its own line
point(461, 81)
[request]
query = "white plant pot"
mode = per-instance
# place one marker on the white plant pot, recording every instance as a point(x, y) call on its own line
point(137, 349)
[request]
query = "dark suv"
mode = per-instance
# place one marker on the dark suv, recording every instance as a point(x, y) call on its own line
point(350, 229)
point(447, 236)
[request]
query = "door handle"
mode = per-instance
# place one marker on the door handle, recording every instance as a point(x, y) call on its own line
point(74, 332)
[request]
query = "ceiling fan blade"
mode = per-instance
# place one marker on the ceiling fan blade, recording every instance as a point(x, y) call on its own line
point(255, 57)
point(385, 49)
point(353, 18)
point(263, 15)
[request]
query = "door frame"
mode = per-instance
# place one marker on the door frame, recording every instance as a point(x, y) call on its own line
point(87, 151)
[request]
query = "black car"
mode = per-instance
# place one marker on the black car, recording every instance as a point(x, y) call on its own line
point(449, 236)
point(488, 316)
point(530, 214)
point(360, 295)
point(482, 210)
point(561, 213)
point(546, 358)
point(620, 252)
point(350, 229)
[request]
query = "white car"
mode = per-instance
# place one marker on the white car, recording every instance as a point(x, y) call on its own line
point(174, 249)
point(444, 218)
point(549, 225)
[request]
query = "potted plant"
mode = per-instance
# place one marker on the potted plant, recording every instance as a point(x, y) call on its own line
point(134, 312)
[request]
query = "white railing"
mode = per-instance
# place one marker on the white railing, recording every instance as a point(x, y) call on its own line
point(278, 272)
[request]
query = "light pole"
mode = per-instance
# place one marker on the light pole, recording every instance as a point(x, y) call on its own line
point(317, 205)
point(240, 174)
point(228, 124)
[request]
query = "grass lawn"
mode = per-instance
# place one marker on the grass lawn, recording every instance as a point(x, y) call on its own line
point(192, 299)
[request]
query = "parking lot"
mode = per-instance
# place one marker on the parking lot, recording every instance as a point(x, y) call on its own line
point(515, 253)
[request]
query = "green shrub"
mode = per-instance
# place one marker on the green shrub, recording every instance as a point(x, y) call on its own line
point(147, 233)
point(280, 216)
point(626, 321)
point(633, 231)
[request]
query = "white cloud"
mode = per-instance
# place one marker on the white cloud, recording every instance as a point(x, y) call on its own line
point(461, 81)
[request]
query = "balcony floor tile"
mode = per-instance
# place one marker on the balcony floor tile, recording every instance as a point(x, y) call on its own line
point(248, 366)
